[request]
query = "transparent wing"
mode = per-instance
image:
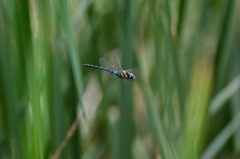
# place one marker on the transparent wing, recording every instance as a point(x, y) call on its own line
point(116, 61)
point(113, 63)
point(105, 64)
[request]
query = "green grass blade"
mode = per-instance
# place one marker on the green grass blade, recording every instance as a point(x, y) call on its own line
point(215, 146)
point(126, 105)
point(156, 123)
point(174, 56)
point(224, 95)
point(72, 52)
point(223, 53)
point(181, 16)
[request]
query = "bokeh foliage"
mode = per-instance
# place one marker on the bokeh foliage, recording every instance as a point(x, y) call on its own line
point(184, 102)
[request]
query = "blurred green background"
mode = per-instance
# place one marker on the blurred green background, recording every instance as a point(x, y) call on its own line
point(183, 104)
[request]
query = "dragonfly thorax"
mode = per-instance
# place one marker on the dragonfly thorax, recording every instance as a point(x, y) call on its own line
point(126, 75)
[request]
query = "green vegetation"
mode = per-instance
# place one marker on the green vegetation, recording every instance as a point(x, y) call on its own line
point(183, 104)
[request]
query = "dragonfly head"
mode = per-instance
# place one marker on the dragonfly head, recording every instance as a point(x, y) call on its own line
point(131, 76)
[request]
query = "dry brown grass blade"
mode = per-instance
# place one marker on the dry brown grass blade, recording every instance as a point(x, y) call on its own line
point(69, 135)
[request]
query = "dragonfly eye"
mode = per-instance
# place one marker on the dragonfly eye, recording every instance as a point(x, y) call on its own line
point(131, 76)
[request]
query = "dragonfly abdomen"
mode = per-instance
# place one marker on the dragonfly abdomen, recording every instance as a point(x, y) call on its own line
point(101, 68)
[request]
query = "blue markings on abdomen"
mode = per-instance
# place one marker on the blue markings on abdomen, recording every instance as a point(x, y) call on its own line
point(115, 72)
point(101, 68)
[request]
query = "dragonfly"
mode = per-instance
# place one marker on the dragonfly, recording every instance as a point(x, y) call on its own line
point(113, 67)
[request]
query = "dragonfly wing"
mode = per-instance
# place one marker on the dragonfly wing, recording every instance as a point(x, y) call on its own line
point(105, 64)
point(112, 64)
point(116, 61)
